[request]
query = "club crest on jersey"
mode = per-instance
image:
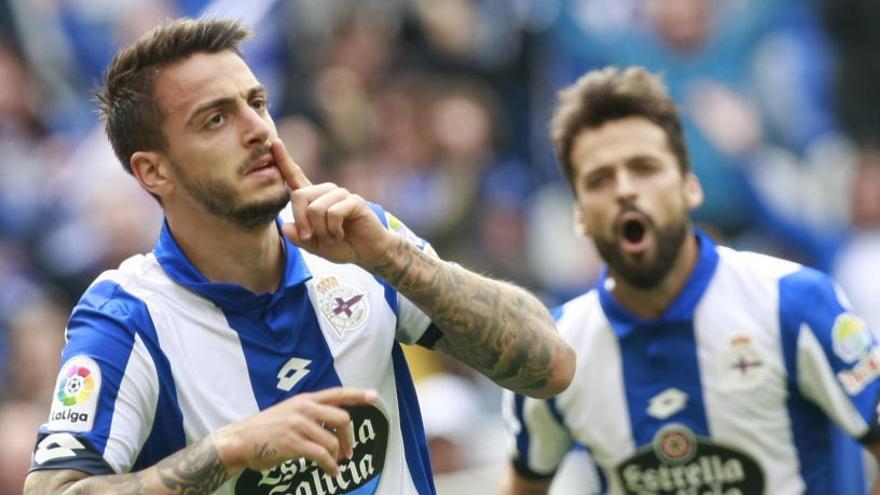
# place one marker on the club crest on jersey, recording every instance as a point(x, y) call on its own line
point(743, 366)
point(345, 307)
point(850, 338)
point(76, 395)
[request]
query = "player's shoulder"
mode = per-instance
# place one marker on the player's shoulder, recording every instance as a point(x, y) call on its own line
point(789, 274)
point(114, 291)
point(579, 314)
point(750, 263)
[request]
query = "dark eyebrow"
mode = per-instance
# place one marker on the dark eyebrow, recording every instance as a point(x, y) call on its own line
point(223, 102)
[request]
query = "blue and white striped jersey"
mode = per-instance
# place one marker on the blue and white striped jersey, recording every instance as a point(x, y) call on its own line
point(732, 390)
point(157, 357)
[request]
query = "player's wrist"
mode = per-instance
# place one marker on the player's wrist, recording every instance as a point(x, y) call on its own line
point(387, 251)
point(229, 445)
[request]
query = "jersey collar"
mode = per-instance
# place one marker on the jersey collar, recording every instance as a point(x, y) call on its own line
point(228, 296)
point(682, 307)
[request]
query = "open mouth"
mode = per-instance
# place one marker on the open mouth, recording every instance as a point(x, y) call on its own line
point(633, 231)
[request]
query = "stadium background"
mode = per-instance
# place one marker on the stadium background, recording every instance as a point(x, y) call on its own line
point(438, 110)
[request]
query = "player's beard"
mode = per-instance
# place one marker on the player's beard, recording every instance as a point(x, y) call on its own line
point(223, 200)
point(646, 274)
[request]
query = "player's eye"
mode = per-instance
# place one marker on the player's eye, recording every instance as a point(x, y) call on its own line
point(259, 104)
point(595, 181)
point(215, 121)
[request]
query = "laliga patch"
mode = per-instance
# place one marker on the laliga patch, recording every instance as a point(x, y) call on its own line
point(395, 225)
point(345, 307)
point(359, 475)
point(76, 395)
point(855, 379)
point(850, 338)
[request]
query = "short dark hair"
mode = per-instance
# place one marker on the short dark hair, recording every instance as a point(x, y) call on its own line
point(131, 115)
point(609, 94)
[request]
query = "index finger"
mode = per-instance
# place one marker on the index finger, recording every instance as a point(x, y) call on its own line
point(293, 175)
point(346, 396)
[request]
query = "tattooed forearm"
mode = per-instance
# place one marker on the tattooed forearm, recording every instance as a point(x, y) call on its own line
point(195, 470)
point(497, 328)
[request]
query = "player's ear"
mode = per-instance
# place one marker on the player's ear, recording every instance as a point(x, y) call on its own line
point(693, 191)
point(581, 229)
point(151, 170)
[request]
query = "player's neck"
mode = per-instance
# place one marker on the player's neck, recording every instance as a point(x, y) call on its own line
point(225, 252)
point(651, 303)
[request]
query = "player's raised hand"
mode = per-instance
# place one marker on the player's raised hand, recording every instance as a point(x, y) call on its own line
point(312, 425)
point(329, 220)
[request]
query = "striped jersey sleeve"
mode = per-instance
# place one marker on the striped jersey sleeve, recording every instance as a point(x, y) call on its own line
point(99, 418)
point(830, 352)
point(538, 437)
point(413, 325)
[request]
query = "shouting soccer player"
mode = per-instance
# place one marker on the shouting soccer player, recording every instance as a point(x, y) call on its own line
point(701, 369)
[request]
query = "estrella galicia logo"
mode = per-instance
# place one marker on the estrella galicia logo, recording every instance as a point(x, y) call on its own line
point(359, 475)
point(677, 461)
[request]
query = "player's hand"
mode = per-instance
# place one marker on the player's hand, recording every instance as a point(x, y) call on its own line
point(329, 220)
point(312, 425)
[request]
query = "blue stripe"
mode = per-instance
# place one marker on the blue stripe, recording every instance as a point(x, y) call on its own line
point(273, 334)
point(522, 437)
point(557, 312)
point(555, 412)
point(368, 489)
point(411, 427)
point(655, 358)
point(103, 326)
point(101, 329)
point(808, 297)
point(166, 435)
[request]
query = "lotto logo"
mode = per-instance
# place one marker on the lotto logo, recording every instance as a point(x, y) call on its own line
point(76, 385)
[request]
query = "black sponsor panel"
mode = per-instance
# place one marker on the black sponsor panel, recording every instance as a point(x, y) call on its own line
point(303, 477)
point(680, 463)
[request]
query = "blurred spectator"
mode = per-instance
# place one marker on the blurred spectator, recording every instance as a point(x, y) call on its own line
point(36, 336)
point(19, 420)
point(858, 264)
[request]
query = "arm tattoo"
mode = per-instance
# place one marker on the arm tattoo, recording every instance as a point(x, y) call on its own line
point(496, 328)
point(195, 470)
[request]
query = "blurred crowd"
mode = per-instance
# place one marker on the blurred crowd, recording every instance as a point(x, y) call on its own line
point(438, 110)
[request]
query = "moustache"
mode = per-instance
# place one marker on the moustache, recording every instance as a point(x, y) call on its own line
point(256, 155)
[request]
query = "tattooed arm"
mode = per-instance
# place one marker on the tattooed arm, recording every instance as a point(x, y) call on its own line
point(494, 327)
point(497, 328)
point(297, 427)
point(195, 470)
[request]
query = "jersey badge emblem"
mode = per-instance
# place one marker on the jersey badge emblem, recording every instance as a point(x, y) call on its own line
point(850, 338)
point(743, 366)
point(76, 395)
point(345, 307)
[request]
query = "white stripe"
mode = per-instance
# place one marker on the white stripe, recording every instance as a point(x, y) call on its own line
point(367, 351)
point(134, 410)
point(748, 414)
point(198, 342)
point(818, 383)
point(597, 419)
